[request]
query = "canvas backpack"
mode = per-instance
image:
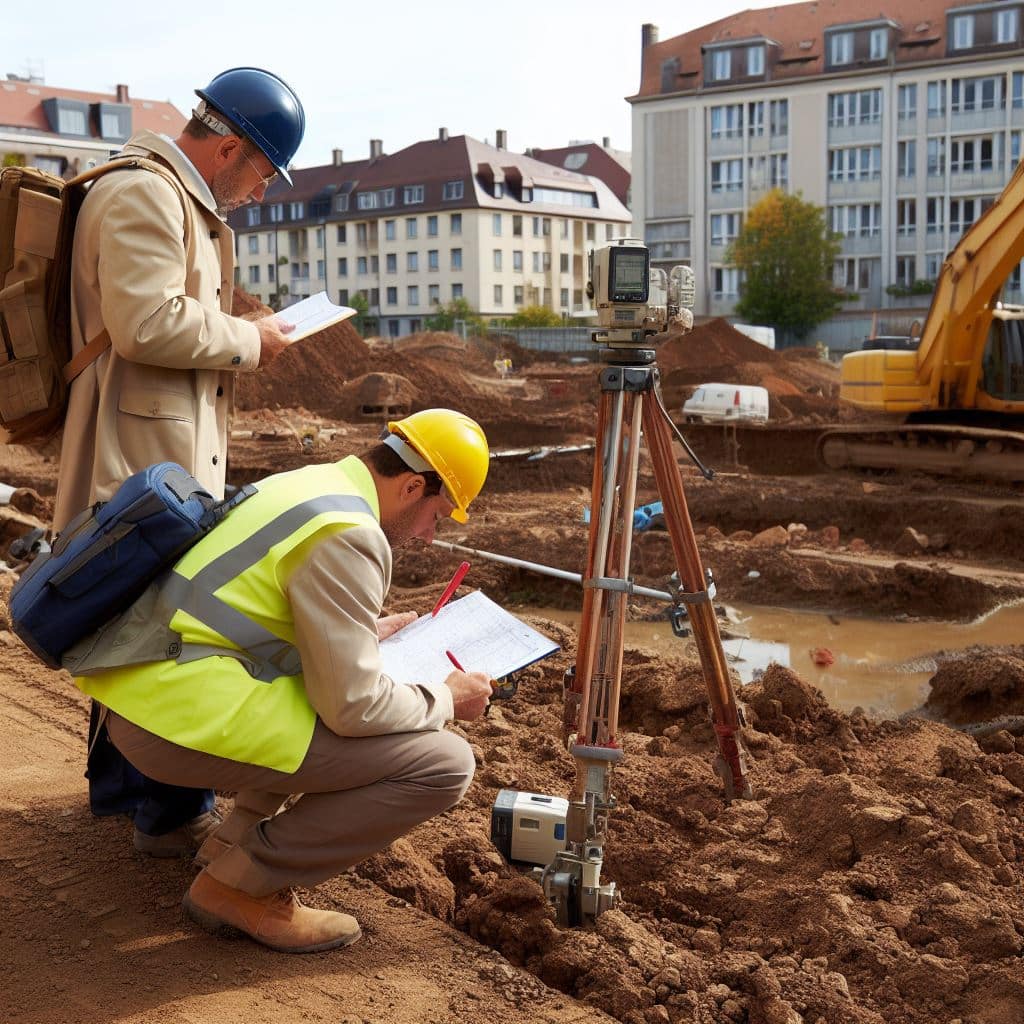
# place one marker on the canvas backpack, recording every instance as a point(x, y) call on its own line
point(38, 212)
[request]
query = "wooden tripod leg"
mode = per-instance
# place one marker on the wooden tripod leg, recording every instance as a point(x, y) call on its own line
point(731, 764)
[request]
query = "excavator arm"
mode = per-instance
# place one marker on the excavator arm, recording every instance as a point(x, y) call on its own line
point(954, 333)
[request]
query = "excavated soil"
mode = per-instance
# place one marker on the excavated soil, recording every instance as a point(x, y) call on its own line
point(874, 878)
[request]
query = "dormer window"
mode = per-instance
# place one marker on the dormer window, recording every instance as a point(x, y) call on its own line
point(67, 117)
point(453, 190)
point(755, 61)
point(840, 48)
point(721, 65)
point(499, 189)
point(1006, 25)
point(963, 31)
point(879, 44)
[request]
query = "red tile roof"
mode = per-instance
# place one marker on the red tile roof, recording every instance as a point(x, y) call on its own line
point(433, 163)
point(799, 29)
point(590, 158)
point(21, 107)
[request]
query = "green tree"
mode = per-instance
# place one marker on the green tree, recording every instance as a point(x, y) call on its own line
point(362, 307)
point(444, 317)
point(786, 252)
point(535, 316)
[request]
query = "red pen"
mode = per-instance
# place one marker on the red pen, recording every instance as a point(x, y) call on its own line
point(459, 576)
point(454, 661)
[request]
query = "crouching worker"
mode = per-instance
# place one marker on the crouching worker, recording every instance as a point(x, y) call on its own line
point(254, 667)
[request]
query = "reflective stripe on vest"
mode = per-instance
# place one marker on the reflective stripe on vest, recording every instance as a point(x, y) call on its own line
point(232, 589)
point(264, 655)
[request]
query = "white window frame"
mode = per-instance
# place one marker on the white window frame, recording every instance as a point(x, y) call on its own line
point(252, 217)
point(413, 295)
point(724, 228)
point(367, 201)
point(755, 60)
point(906, 158)
point(727, 175)
point(254, 245)
point(727, 121)
point(906, 217)
point(963, 31)
point(453, 190)
point(725, 282)
point(412, 194)
point(1006, 25)
point(755, 118)
point(906, 101)
point(878, 44)
point(721, 65)
point(840, 49)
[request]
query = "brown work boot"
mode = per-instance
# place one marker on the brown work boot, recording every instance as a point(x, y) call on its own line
point(278, 921)
point(180, 842)
point(213, 846)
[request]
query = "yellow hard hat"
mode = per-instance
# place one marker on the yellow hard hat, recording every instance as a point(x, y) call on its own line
point(452, 445)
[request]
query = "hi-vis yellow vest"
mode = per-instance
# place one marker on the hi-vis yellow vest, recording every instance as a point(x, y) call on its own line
point(235, 688)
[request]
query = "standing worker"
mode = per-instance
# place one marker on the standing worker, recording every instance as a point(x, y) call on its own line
point(275, 687)
point(151, 288)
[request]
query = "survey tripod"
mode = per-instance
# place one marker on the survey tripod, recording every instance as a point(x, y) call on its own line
point(630, 406)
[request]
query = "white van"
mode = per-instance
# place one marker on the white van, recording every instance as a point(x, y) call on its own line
point(718, 403)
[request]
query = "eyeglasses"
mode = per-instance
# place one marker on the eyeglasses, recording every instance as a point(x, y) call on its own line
point(267, 179)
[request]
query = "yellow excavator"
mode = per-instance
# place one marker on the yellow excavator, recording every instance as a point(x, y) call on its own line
point(954, 404)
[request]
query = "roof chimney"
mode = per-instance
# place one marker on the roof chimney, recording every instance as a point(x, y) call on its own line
point(648, 35)
point(501, 139)
point(337, 158)
point(376, 148)
point(606, 142)
point(122, 94)
point(442, 134)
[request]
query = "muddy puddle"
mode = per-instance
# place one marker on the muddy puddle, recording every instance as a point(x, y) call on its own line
point(880, 665)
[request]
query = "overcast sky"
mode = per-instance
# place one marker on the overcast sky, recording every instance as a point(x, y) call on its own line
point(394, 70)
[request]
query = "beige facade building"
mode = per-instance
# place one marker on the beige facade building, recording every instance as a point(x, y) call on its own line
point(904, 122)
point(66, 131)
point(449, 218)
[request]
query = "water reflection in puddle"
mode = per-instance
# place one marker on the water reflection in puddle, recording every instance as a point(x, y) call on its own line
point(882, 666)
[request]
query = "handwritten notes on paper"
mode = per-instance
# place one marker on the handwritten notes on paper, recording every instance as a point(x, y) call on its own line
point(481, 634)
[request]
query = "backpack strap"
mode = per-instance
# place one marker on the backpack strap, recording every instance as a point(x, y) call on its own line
point(83, 357)
point(97, 346)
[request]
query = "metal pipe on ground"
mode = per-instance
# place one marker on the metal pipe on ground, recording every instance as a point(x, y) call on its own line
point(546, 570)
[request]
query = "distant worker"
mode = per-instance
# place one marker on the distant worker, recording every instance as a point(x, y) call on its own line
point(152, 278)
point(276, 687)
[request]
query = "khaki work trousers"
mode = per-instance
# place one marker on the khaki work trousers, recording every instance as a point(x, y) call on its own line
point(358, 796)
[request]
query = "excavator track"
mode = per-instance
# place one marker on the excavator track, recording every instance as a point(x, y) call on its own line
point(946, 449)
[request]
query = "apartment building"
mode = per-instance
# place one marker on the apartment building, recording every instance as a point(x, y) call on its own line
point(448, 218)
point(904, 121)
point(66, 131)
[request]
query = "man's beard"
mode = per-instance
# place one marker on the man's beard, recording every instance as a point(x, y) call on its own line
point(225, 188)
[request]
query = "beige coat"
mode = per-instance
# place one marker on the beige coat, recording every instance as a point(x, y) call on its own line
point(154, 265)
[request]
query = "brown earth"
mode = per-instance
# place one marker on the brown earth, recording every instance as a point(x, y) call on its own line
point(875, 876)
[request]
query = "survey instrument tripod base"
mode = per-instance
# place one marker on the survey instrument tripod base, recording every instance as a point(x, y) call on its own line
point(630, 407)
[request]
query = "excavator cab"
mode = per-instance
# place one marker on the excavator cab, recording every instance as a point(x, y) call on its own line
point(1002, 366)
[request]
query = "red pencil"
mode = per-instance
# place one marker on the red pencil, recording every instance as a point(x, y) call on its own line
point(460, 574)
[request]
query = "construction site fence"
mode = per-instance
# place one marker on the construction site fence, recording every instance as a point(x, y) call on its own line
point(550, 339)
point(839, 335)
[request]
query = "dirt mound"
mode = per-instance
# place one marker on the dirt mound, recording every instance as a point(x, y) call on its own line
point(980, 689)
point(309, 373)
point(801, 386)
point(246, 305)
point(715, 343)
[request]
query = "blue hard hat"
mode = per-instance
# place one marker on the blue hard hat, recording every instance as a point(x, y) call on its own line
point(260, 106)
